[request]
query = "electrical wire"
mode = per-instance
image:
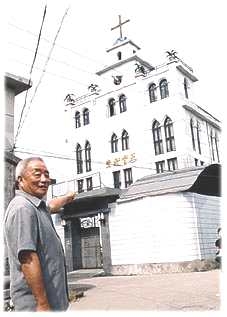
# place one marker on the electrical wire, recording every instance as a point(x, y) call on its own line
point(30, 73)
point(54, 60)
point(43, 72)
point(60, 46)
point(53, 74)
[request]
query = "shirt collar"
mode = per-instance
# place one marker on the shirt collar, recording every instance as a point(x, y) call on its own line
point(33, 199)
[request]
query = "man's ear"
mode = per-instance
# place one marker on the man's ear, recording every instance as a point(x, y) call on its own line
point(19, 179)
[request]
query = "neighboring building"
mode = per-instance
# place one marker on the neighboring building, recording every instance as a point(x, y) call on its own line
point(166, 222)
point(14, 85)
point(141, 121)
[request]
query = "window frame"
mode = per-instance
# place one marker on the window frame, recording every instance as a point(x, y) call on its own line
point(157, 138)
point(152, 92)
point(173, 162)
point(122, 103)
point(77, 120)
point(88, 156)
point(164, 90)
point(114, 143)
point(117, 179)
point(89, 183)
point(112, 107)
point(80, 185)
point(128, 177)
point(79, 159)
point(169, 135)
point(86, 117)
point(125, 140)
point(214, 145)
point(160, 166)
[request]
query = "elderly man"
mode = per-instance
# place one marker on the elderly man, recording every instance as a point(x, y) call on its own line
point(36, 257)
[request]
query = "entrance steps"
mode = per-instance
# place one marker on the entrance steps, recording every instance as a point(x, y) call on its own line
point(76, 288)
point(84, 273)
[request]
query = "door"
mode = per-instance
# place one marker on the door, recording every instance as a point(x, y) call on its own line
point(91, 248)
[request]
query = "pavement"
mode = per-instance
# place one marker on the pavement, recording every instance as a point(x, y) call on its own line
point(194, 291)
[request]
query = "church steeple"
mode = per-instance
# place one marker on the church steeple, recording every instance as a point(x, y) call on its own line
point(120, 26)
point(123, 47)
point(123, 52)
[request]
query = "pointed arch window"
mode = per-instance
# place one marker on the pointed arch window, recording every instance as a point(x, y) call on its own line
point(125, 140)
point(195, 132)
point(192, 134)
point(111, 105)
point(164, 91)
point(86, 118)
point(79, 159)
point(214, 145)
point(119, 55)
point(114, 143)
point(88, 156)
point(77, 119)
point(186, 87)
point(169, 135)
point(152, 92)
point(198, 130)
point(122, 103)
point(157, 138)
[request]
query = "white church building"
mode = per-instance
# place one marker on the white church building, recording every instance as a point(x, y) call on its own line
point(140, 122)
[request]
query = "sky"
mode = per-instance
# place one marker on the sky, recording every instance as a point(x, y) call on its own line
point(195, 29)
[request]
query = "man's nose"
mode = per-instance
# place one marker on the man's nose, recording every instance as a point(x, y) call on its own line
point(44, 178)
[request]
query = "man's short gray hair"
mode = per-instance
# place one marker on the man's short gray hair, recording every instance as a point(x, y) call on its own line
point(22, 165)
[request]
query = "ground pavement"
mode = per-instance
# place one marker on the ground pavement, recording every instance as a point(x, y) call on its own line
point(197, 291)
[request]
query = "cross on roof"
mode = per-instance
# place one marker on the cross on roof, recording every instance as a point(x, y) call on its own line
point(120, 25)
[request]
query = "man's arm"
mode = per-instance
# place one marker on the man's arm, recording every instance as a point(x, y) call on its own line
point(57, 203)
point(31, 268)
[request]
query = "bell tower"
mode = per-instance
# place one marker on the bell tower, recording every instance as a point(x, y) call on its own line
point(122, 48)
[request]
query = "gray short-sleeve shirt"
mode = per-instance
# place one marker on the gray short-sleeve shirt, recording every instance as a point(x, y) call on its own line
point(28, 226)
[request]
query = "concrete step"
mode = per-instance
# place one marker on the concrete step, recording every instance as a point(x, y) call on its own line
point(84, 273)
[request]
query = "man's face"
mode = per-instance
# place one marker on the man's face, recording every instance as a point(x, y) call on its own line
point(35, 179)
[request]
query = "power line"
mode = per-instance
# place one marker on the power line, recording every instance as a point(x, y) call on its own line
point(61, 46)
point(44, 69)
point(65, 48)
point(53, 155)
point(53, 74)
point(54, 60)
point(29, 82)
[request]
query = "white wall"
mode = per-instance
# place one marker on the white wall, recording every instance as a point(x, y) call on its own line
point(159, 229)
point(208, 209)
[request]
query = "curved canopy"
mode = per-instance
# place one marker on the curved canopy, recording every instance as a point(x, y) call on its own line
point(201, 180)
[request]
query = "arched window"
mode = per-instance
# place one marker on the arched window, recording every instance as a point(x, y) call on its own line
point(192, 133)
point(88, 156)
point(186, 87)
point(79, 159)
point(86, 116)
point(114, 143)
point(111, 104)
point(195, 131)
point(214, 145)
point(164, 92)
point(77, 119)
point(157, 138)
point(152, 92)
point(170, 142)
point(198, 136)
point(125, 140)
point(122, 103)
point(119, 55)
